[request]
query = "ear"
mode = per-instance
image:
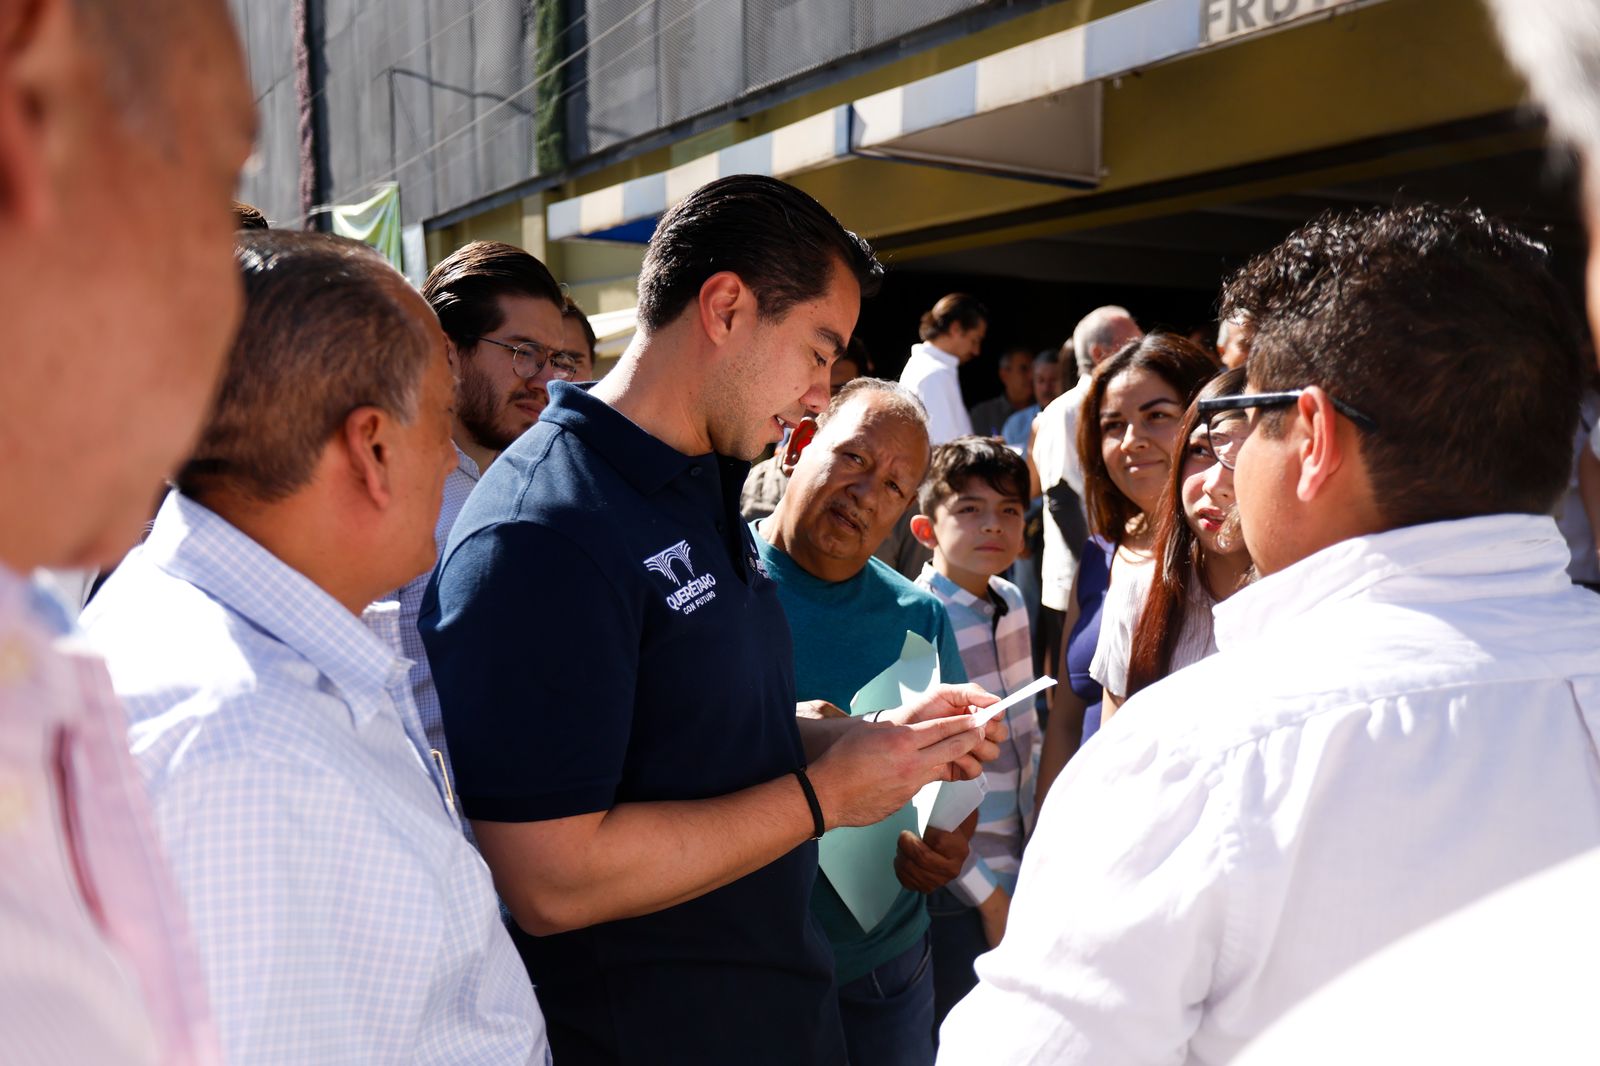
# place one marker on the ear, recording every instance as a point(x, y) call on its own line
point(801, 436)
point(453, 357)
point(33, 36)
point(1320, 451)
point(922, 529)
point(366, 438)
point(720, 297)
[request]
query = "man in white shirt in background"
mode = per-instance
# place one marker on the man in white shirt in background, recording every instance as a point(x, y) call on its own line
point(341, 916)
point(1052, 456)
point(952, 334)
point(1402, 716)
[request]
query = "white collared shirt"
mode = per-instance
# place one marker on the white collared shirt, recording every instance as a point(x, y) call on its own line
point(1394, 727)
point(1055, 456)
point(932, 373)
point(341, 916)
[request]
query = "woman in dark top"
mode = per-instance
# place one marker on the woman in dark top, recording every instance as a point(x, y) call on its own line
point(1127, 437)
point(1088, 595)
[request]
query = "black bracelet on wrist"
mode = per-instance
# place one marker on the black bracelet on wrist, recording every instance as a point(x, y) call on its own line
point(811, 800)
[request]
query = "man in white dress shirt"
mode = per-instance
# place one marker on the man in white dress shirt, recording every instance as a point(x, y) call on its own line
point(1429, 997)
point(1402, 717)
point(341, 915)
point(952, 334)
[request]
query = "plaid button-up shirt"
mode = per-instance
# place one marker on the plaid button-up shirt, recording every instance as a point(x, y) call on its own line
point(341, 916)
point(997, 652)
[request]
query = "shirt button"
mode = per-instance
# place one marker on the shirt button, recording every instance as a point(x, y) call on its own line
point(721, 525)
point(694, 471)
point(14, 661)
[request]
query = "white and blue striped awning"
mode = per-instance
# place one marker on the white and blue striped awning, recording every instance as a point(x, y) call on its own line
point(809, 143)
point(1032, 111)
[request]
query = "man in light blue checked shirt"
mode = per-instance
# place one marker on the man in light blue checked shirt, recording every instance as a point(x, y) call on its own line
point(973, 505)
point(341, 916)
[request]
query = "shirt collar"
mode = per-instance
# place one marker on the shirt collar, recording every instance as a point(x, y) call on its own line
point(937, 354)
point(466, 464)
point(195, 544)
point(646, 462)
point(1485, 557)
point(953, 592)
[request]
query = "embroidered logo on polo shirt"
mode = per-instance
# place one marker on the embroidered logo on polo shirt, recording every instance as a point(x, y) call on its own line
point(693, 592)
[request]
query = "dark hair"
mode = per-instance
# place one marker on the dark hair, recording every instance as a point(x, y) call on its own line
point(246, 216)
point(570, 309)
point(1176, 360)
point(957, 308)
point(780, 242)
point(328, 326)
point(464, 290)
point(1273, 281)
point(1179, 558)
point(1446, 328)
point(957, 462)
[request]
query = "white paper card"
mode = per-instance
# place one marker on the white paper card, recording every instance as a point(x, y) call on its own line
point(946, 804)
point(985, 715)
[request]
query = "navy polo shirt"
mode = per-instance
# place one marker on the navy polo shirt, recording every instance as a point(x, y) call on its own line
point(601, 632)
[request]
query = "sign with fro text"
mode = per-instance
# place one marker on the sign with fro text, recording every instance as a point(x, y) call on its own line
point(1223, 20)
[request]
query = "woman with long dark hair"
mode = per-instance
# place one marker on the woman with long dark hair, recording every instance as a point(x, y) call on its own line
point(1127, 440)
point(1161, 620)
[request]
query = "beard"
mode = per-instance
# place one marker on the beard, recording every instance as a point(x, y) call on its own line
point(482, 412)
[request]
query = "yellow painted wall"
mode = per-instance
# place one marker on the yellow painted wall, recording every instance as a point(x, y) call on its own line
point(1395, 66)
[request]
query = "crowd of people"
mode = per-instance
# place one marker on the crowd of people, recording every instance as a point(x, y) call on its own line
point(456, 707)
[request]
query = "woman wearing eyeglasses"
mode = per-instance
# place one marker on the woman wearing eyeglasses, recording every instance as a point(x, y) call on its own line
point(1127, 440)
point(1161, 621)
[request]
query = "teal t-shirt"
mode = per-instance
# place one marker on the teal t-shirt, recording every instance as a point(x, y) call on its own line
point(845, 634)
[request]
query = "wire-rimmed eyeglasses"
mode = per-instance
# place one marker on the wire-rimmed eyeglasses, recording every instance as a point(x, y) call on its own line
point(530, 357)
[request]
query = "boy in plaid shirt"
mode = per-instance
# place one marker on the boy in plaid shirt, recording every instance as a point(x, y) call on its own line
point(973, 503)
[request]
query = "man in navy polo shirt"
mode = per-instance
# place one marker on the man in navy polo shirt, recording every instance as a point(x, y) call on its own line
point(617, 676)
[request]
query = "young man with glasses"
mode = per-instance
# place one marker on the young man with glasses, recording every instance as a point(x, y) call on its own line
point(1400, 719)
point(501, 312)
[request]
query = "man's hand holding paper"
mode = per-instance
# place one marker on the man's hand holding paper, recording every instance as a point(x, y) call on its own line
point(873, 769)
point(944, 701)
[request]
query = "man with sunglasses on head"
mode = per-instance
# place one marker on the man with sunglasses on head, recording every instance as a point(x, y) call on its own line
point(501, 312)
point(1401, 718)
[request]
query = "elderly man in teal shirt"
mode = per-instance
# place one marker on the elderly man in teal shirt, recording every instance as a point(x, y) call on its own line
point(852, 474)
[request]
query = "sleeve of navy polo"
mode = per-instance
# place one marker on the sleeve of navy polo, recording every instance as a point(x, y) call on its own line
point(532, 651)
